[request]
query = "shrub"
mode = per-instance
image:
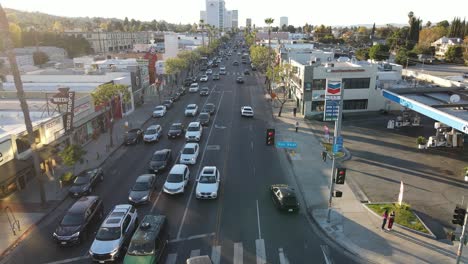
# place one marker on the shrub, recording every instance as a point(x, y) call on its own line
point(421, 140)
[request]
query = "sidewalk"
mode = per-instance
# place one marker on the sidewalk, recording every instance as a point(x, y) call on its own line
point(352, 226)
point(26, 205)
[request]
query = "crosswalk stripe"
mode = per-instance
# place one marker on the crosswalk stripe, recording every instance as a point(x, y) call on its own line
point(260, 250)
point(171, 258)
point(282, 257)
point(238, 254)
point(195, 253)
point(216, 254)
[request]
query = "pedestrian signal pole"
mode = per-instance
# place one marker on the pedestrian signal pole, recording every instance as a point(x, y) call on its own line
point(463, 235)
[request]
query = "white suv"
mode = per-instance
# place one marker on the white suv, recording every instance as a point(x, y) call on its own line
point(189, 154)
point(153, 133)
point(177, 179)
point(191, 110)
point(193, 88)
point(116, 230)
point(208, 183)
point(194, 132)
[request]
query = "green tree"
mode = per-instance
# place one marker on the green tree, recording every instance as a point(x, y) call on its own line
point(173, 67)
point(454, 54)
point(105, 95)
point(191, 58)
point(40, 57)
point(362, 54)
point(15, 32)
point(260, 57)
point(379, 52)
point(71, 155)
point(269, 21)
point(405, 57)
point(443, 23)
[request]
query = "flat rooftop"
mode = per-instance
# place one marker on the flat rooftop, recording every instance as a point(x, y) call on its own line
point(12, 122)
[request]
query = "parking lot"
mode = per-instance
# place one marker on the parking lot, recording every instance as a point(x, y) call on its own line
point(381, 158)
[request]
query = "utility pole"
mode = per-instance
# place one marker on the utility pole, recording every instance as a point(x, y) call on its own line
point(462, 238)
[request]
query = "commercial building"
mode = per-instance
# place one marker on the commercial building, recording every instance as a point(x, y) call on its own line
point(235, 19)
point(216, 15)
point(248, 23)
point(203, 16)
point(283, 21)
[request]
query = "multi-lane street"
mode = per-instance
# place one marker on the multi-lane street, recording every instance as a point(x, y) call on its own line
point(241, 225)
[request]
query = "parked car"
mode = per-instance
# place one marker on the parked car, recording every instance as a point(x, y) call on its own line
point(182, 91)
point(247, 111)
point(159, 111)
point(240, 79)
point(209, 108)
point(204, 119)
point(252, 66)
point(204, 78)
point(187, 81)
point(189, 153)
point(205, 259)
point(167, 103)
point(221, 72)
point(175, 97)
point(160, 160)
point(208, 183)
point(284, 197)
point(84, 182)
point(204, 91)
point(75, 225)
point(153, 134)
point(194, 132)
point(194, 88)
point(177, 179)
point(150, 241)
point(142, 189)
point(191, 110)
point(114, 233)
point(216, 76)
point(133, 136)
point(175, 130)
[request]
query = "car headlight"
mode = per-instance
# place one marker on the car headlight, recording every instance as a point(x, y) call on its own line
point(214, 193)
point(113, 252)
point(144, 197)
point(130, 198)
point(193, 159)
point(54, 234)
point(198, 193)
point(76, 234)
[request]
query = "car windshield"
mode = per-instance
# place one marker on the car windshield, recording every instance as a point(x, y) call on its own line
point(140, 186)
point(141, 248)
point(193, 128)
point(207, 179)
point(167, 102)
point(159, 108)
point(204, 116)
point(290, 200)
point(175, 127)
point(108, 233)
point(159, 157)
point(84, 179)
point(190, 107)
point(150, 132)
point(72, 219)
point(173, 178)
point(188, 151)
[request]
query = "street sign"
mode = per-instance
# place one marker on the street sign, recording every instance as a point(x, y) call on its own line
point(332, 109)
point(286, 144)
point(338, 146)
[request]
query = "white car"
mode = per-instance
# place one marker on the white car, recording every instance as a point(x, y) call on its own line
point(194, 132)
point(189, 153)
point(209, 71)
point(159, 111)
point(208, 183)
point(191, 110)
point(204, 78)
point(194, 88)
point(222, 68)
point(177, 179)
point(153, 133)
point(247, 111)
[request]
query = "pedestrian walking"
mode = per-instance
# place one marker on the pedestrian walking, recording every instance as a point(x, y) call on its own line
point(294, 111)
point(324, 155)
point(384, 219)
point(391, 219)
point(297, 125)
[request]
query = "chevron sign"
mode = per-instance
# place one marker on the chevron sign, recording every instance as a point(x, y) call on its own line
point(333, 88)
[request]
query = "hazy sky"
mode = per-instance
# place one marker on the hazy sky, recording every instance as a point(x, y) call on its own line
point(299, 12)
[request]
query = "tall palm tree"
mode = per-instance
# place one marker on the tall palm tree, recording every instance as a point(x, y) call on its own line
point(6, 36)
point(269, 21)
point(202, 25)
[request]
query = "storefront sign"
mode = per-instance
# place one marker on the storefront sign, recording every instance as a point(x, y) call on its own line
point(70, 113)
point(160, 67)
point(6, 152)
point(61, 97)
point(53, 129)
point(82, 108)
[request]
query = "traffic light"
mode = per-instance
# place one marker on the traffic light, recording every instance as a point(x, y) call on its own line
point(270, 136)
point(340, 175)
point(459, 216)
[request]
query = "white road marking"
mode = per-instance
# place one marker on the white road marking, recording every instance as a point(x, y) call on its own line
point(238, 253)
point(251, 145)
point(258, 223)
point(195, 253)
point(192, 237)
point(69, 260)
point(216, 254)
point(260, 251)
point(198, 172)
point(171, 258)
point(326, 253)
point(282, 257)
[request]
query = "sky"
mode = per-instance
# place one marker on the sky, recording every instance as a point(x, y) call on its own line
point(299, 12)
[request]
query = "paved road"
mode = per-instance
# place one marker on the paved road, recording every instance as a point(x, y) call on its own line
point(241, 226)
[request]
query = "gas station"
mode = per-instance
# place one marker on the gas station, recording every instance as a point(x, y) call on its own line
point(448, 106)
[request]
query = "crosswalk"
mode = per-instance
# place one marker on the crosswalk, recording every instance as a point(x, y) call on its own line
point(236, 256)
point(241, 73)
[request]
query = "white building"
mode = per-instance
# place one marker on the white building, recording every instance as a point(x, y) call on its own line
point(228, 20)
point(235, 19)
point(203, 15)
point(248, 23)
point(442, 45)
point(171, 44)
point(217, 15)
point(283, 22)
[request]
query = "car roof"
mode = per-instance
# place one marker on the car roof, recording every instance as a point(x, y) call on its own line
point(149, 229)
point(178, 168)
point(209, 170)
point(161, 151)
point(190, 145)
point(204, 88)
point(209, 104)
point(194, 124)
point(160, 106)
point(117, 215)
point(176, 124)
point(82, 204)
point(191, 105)
point(204, 114)
point(285, 189)
point(144, 177)
point(153, 127)
point(247, 107)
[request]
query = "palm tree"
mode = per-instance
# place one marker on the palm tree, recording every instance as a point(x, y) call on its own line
point(269, 21)
point(5, 35)
point(202, 25)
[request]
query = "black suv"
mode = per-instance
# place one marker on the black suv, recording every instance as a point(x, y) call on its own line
point(75, 224)
point(284, 197)
point(84, 182)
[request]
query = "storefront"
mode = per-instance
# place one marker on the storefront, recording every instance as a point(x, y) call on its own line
point(14, 174)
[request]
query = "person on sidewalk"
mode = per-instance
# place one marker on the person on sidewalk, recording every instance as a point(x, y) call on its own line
point(297, 125)
point(324, 156)
point(294, 111)
point(384, 219)
point(391, 219)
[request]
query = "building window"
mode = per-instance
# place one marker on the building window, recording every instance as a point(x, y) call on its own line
point(22, 142)
point(358, 104)
point(318, 84)
point(356, 83)
point(317, 106)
